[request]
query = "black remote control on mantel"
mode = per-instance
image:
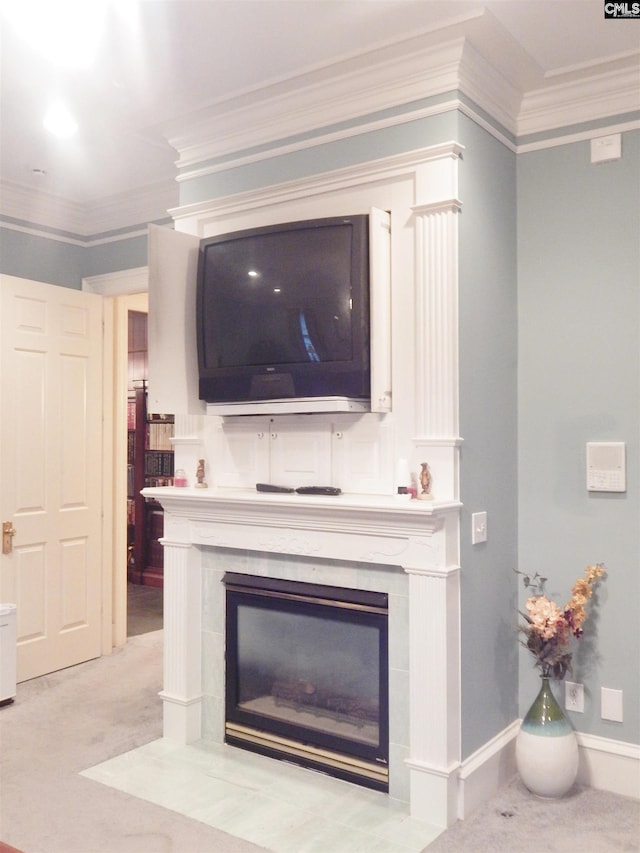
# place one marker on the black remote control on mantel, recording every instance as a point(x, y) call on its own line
point(319, 490)
point(267, 487)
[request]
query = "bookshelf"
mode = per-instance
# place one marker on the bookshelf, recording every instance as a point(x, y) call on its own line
point(149, 463)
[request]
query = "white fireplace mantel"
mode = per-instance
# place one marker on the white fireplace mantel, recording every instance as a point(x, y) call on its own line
point(369, 529)
point(421, 537)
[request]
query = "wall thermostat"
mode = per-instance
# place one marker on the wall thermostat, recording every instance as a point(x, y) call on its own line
point(606, 470)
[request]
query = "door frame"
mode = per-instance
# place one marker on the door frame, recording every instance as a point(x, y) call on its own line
point(122, 291)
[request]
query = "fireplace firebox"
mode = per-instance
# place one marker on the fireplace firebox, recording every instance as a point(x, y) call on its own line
point(307, 675)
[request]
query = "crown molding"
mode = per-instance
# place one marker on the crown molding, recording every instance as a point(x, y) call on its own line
point(475, 58)
point(321, 100)
point(124, 210)
point(139, 205)
point(41, 208)
point(490, 90)
point(590, 97)
point(579, 136)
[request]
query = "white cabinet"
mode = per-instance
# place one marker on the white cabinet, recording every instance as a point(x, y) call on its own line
point(173, 355)
point(353, 453)
point(300, 454)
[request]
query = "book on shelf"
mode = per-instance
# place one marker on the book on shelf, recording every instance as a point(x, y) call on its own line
point(159, 435)
point(158, 463)
point(155, 482)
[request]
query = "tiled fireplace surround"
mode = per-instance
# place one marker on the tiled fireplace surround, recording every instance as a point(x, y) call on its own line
point(375, 542)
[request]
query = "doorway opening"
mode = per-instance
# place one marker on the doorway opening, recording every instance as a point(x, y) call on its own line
point(149, 463)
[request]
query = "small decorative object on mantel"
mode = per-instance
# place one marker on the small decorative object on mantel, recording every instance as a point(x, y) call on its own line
point(200, 483)
point(180, 478)
point(425, 483)
point(546, 746)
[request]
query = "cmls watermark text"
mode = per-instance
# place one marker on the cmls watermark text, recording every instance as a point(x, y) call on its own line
point(621, 10)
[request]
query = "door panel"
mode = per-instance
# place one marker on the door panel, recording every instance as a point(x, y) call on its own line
point(51, 470)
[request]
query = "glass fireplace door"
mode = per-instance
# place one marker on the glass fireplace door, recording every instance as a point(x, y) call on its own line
point(308, 665)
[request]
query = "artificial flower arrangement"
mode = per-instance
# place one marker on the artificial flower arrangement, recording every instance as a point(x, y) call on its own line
point(549, 628)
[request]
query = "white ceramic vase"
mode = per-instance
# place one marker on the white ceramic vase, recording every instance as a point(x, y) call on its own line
point(547, 747)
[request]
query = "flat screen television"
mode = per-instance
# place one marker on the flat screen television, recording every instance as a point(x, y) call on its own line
point(283, 315)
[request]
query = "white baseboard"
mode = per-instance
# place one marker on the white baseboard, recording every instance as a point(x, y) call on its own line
point(488, 769)
point(609, 765)
point(605, 764)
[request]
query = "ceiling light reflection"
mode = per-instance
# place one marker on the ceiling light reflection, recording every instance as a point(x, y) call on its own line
point(59, 120)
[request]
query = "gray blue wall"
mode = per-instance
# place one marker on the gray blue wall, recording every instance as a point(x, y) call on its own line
point(579, 381)
point(488, 427)
point(65, 259)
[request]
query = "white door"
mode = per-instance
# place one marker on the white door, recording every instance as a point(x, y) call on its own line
point(51, 471)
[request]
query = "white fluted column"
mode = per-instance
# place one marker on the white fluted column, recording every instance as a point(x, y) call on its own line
point(434, 586)
point(437, 427)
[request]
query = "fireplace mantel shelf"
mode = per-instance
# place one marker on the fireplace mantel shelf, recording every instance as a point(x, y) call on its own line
point(381, 514)
point(416, 535)
point(193, 497)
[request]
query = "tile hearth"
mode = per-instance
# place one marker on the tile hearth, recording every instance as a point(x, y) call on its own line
point(283, 808)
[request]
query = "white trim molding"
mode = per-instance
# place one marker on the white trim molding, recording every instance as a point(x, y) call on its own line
point(609, 765)
point(484, 772)
point(122, 283)
point(87, 219)
point(473, 56)
point(569, 102)
point(210, 211)
point(605, 764)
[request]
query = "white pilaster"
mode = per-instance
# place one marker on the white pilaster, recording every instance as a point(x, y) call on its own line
point(182, 692)
point(436, 292)
point(434, 694)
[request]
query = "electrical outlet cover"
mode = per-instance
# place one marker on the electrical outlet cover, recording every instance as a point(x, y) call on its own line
point(574, 697)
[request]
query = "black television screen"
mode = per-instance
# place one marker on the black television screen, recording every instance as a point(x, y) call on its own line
point(283, 312)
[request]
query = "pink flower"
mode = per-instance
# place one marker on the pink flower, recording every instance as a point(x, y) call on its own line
point(545, 616)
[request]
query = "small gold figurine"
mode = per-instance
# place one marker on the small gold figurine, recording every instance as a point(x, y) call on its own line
point(425, 482)
point(200, 483)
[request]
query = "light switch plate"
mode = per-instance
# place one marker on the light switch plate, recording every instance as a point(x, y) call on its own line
point(611, 704)
point(478, 527)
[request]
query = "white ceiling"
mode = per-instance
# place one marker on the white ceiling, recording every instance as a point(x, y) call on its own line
point(167, 59)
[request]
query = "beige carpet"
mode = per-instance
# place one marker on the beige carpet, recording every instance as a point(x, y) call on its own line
point(514, 821)
point(68, 721)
